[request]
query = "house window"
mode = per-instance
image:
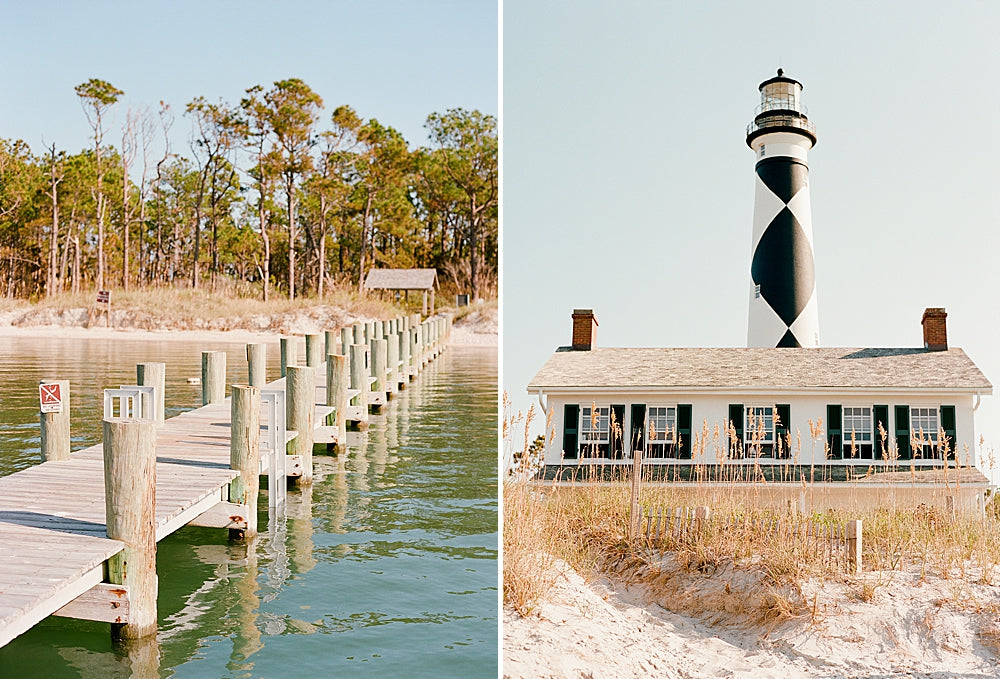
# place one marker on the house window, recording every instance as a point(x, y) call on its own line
point(662, 426)
point(758, 433)
point(924, 428)
point(857, 433)
point(595, 428)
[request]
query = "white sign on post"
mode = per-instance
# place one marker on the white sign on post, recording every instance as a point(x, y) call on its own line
point(50, 397)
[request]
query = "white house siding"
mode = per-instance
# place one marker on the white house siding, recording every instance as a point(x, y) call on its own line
point(713, 409)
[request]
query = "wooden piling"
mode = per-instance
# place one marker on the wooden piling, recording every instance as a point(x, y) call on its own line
point(330, 345)
point(854, 545)
point(130, 515)
point(153, 374)
point(359, 378)
point(379, 367)
point(289, 353)
point(314, 351)
point(257, 365)
point(300, 411)
point(244, 454)
point(213, 377)
point(337, 379)
point(346, 340)
point(404, 355)
point(392, 364)
point(414, 351)
point(55, 427)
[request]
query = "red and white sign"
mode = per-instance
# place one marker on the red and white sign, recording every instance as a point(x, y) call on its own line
point(51, 398)
point(104, 297)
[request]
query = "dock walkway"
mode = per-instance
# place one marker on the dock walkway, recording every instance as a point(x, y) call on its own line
point(53, 516)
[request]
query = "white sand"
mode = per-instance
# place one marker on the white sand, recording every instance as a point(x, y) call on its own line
point(477, 329)
point(911, 628)
point(235, 336)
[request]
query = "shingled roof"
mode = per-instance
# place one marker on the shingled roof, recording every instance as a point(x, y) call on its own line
point(401, 279)
point(777, 369)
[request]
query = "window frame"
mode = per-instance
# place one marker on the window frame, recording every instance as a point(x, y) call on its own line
point(855, 448)
point(763, 447)
point(667, 446)
point(929, 445)
point(594, 448)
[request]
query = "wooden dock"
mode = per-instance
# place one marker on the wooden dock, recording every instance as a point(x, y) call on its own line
point(53, 523)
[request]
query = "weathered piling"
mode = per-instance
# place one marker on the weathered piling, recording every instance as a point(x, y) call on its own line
point(300, 415)
point(379, 365)
point(55, 427)
point(392, 364)
point(359, 380)
point(154, 374)
point(346, 340)
point(289, 353)
point(359, 333)
point(330, 345)
point(337, 379)
point(417, 349)
point(130, 516)
point(244, 454)
point(854, 545)
point(257, 365)
point(314, 351)
point(213, 377)
point(404, 355)
point(414, 352)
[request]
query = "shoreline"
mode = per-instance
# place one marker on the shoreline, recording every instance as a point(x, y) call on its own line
point(460, 336)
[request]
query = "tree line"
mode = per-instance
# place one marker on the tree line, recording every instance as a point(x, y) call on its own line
point(271, 194)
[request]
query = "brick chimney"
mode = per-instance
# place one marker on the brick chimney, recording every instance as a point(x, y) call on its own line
point(935, 329)
point(584, 329)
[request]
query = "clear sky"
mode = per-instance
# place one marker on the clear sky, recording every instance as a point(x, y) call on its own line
point(629, 188)
point(393, 60)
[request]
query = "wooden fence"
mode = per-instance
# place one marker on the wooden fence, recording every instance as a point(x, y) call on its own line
point(836, 543)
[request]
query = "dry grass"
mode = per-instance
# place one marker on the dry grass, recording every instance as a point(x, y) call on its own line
point(184, 307)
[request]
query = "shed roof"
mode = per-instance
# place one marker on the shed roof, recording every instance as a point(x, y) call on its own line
point(401, 279)
point(769, 369)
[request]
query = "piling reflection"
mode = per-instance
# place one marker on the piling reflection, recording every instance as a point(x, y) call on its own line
point(138, 658)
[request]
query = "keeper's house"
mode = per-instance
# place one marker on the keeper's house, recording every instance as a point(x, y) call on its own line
point(822, 414)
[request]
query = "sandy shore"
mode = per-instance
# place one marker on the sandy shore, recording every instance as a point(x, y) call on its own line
point(473, 330)
point(235, 336)
point(913, 627)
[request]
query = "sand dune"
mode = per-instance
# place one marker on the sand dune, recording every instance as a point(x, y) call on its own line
point(933, 627)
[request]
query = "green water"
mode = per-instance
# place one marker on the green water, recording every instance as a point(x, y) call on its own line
point(385, 567)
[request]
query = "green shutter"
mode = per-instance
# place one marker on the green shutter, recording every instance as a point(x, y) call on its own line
point(834, 424)
point(684, 431)
point(903, 432)
point(881, 417)
point(948, 424)
point(736, 421)
point(616, 431)
point(637, 439)
point(784, 411)
point(571, 423)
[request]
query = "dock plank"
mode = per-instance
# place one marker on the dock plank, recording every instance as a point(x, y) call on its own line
point(75, 564)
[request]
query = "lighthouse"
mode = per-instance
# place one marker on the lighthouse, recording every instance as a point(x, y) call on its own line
point(783, 310)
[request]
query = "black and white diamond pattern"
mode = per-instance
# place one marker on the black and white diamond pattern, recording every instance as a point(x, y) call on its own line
point(783, 299)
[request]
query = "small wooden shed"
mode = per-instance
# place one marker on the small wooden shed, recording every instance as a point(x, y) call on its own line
point(424, 280)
